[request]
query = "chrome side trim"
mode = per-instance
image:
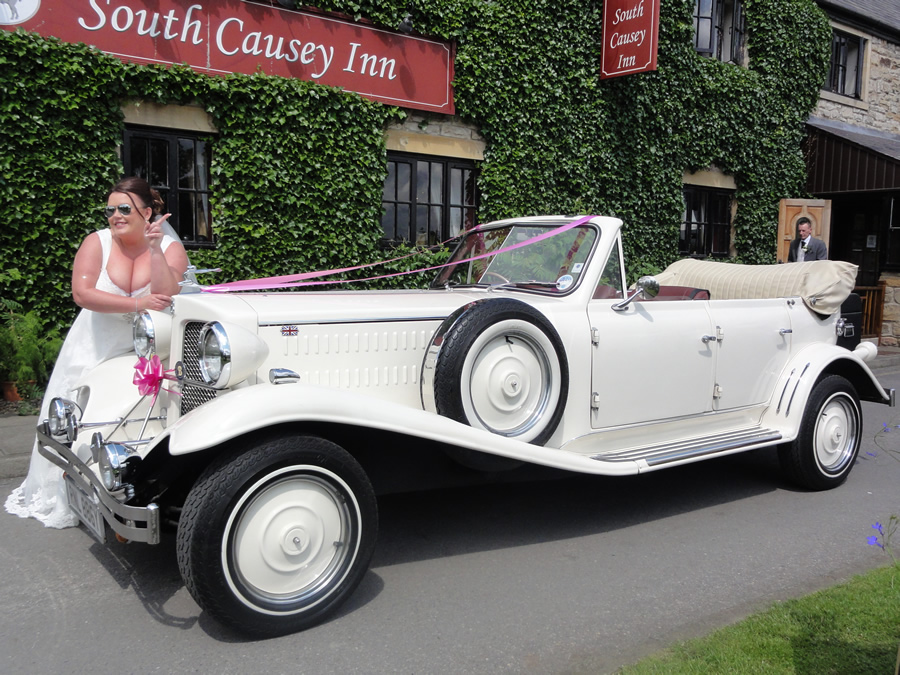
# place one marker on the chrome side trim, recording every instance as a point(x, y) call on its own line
point(318, 322)
point(135, 523)
point(283, 376)
point(666, 453)
point(784, 391)
point(794, 393)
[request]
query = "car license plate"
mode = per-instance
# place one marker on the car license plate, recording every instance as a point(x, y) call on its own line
point(87, 510)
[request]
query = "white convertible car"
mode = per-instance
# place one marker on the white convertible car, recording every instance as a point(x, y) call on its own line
point(284, 414)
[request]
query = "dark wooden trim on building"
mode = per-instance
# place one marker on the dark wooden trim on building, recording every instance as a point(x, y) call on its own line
point(838, 165)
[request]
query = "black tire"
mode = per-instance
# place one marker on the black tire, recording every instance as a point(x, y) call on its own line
point(502, 367)
point(272, 540)
point(826, 447)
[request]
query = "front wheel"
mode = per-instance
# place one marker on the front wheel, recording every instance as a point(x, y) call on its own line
point(274, 539)
point(824, 451)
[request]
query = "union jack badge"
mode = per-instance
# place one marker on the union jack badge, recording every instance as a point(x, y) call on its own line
point(289, 331)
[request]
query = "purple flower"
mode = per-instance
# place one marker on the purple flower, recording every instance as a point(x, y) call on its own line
point(877, 526)
point(873, 541)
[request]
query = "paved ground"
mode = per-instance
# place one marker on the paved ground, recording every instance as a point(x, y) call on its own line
point(17, 431)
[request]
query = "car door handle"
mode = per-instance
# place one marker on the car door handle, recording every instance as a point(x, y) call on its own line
point(709, 338)
point(785, 331)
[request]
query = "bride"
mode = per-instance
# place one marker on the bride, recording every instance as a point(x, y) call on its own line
point(135, 264)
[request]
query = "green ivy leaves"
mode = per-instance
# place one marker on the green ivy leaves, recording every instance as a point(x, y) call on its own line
point(298, 168)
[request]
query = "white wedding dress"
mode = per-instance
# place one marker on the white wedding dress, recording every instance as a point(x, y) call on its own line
point(93, 338)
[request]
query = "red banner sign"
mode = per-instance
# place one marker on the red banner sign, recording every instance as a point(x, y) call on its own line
point(630, 37)
point(242, 37)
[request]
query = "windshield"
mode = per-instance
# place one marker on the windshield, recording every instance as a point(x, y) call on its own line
point(552, 264)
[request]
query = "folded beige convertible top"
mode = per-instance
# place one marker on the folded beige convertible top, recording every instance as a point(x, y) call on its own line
point(822, 284)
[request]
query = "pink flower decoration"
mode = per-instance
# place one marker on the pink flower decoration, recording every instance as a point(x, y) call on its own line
point(149, 376)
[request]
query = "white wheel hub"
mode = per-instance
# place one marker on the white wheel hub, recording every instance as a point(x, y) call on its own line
point(287, 537)
point(835, 433)
point(510, 377)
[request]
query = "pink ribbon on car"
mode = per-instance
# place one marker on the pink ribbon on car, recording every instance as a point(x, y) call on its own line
point(295, 280)
point(149, 376)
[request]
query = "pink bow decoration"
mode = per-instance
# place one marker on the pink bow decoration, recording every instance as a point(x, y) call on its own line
point(149, 376)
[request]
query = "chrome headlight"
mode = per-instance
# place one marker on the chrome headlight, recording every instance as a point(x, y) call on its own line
point(215, 354)
point(229, 353)
point(60, 411)
point(151, 332)
point(115, 465)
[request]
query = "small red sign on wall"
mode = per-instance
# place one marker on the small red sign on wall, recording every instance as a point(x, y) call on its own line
point(630, 37)
point(217, 38)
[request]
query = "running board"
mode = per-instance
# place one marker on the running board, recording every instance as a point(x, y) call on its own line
point(677, 451)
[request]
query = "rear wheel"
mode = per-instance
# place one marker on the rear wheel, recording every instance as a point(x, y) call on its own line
point(274, 539)
point(824, 451)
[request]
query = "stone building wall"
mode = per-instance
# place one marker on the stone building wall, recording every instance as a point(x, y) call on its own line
point(444, 126)
point(441, 135)
point(879, 111)
point(890, 326)
point(881, 108)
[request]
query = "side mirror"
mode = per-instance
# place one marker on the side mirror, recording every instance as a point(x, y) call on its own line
point(646, 287)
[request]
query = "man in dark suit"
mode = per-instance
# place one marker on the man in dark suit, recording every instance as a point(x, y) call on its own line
point(805, 247)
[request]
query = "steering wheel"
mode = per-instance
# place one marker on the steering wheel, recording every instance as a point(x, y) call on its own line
point(495, 274)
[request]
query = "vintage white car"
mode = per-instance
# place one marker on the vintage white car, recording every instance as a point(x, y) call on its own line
point(285, 413)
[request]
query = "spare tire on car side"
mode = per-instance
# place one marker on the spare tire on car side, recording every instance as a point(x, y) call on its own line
point(498, 364)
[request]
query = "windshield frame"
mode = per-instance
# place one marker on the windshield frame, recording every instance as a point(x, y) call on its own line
point(466, 249)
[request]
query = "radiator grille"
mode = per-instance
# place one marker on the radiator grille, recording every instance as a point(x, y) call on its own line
point(193, 396)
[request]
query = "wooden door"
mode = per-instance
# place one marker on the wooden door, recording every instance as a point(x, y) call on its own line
point(790, 211)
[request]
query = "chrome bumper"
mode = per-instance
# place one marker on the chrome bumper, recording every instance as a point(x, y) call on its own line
point(135, 523)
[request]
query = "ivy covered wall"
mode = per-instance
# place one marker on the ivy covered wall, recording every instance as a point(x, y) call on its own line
point(298, 168)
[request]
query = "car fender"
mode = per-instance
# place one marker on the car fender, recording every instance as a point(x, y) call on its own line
point(798, 378)
point(108, 391)
point(265, 405)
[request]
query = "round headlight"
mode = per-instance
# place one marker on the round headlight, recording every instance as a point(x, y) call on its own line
point(144, 335)
point(57, 417)
point(63, 417)
point(151, 332)
point(113, 465)
point(215, 354)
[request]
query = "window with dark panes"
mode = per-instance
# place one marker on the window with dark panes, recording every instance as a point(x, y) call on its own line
point(428, 200)
point(719, 29)
point(175, 163)
point(706, 227)
point(846, 67)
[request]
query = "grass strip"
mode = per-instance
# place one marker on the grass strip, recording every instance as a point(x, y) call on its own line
point(849, 629)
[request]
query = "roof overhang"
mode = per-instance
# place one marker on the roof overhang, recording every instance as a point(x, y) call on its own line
point(846, 158)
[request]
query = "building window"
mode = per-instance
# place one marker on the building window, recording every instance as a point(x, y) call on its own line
point(706, 228)
point(845, 70)
point(428, 200)
point(719, 30)
point(176, 163)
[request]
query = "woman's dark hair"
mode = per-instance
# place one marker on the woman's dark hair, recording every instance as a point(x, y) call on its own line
point(142, 190)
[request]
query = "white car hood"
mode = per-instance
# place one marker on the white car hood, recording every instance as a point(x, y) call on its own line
point(359, 306)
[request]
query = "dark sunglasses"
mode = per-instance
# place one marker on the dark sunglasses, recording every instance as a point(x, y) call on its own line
point(124, 209)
